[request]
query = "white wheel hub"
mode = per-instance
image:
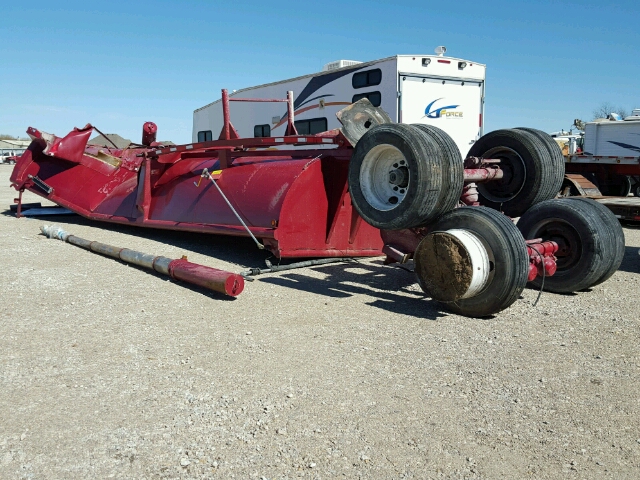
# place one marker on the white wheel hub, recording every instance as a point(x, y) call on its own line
point(452, 265)
point(479, 260)
point(384, 177)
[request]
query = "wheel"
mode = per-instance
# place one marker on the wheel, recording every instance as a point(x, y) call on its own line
point(555, 153)
point(531, 175)
point(615, 250)
point(616, 186)
point(585, 255)
point(452, 166)
point(395, 177)
point(636, 190)
point(439, 270)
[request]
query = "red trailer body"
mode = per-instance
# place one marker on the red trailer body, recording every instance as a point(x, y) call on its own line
point(295, 201)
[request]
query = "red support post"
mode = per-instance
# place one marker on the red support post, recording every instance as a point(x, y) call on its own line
point(146, 196)
point(291, 126)
point(149, 130)
point(19, 202)
point(226, 131)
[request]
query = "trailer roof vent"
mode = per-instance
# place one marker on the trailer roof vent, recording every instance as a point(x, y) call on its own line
point(339, 64)
point(441, 50)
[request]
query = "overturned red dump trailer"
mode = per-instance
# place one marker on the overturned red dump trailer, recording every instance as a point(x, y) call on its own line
point(369, 188)
point(294, 200)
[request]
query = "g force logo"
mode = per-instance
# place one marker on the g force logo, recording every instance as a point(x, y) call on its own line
point(442, 112)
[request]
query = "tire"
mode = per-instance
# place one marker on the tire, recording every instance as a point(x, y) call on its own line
point(452, 166)
point(619, 187)
point(585, 256)
point(636, 190)
point(507, 254)
point(413, 199)
point(616, 249)
point(555, 153)
point(531, 174)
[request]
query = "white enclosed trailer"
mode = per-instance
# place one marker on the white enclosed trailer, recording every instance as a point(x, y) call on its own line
point(431, 89)
point(609, 158)
point(613, 138)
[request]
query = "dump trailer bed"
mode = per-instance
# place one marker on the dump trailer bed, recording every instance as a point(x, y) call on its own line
point(294, 201)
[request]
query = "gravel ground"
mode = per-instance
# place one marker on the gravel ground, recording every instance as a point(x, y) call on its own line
point(107, 371)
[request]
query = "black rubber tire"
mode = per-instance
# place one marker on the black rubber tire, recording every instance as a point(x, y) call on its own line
point(452, 166)
point(507, 252)
point(577, 225)
point(420, 203)
point(531, 176)
point(616, 249)
point(636, 190)
point(555, 153)
point(620, 186)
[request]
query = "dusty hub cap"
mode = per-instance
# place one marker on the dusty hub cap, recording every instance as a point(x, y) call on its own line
point(452, 265)
point(384, 177)
point(514, 171)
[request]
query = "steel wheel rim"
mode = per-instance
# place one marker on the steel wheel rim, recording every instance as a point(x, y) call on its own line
point(515, 173)
point(567, 238)
point(384, 177)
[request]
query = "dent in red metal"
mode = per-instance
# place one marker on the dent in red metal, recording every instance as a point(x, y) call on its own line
point(71, 147)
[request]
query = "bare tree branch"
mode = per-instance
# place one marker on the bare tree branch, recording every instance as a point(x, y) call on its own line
point(607, 108)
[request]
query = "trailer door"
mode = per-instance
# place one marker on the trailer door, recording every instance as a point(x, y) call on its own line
point(454, 105)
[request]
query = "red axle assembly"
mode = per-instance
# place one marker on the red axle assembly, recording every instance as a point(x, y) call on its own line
point(542, 260)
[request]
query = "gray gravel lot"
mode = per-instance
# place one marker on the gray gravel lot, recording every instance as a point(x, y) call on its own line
point(107, 371)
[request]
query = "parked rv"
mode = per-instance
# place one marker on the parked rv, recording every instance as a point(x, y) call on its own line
point(445, 92)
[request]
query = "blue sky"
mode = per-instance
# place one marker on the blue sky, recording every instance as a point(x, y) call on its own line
point(118, 64)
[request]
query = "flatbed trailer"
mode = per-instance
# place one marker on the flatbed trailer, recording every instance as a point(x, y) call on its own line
point(624, 208)
point(611, 174)
point(607, 179)
point(608, 154)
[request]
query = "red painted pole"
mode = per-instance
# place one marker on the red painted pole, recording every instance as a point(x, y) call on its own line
point(226, 131)
point(482, 174)
point(149, 130)
point(224, 282)
point(291, 126)
point(227, 283)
